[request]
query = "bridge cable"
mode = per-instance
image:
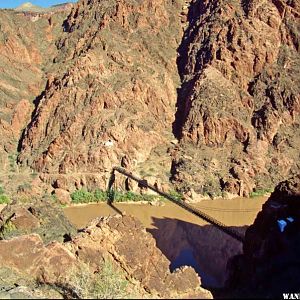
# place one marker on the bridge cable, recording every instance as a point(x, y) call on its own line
point(143, 183)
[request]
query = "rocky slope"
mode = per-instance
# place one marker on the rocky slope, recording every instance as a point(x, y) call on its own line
point(238, 106)
point(66, 268)
point(269, 265)
point(108, 78)
point(27, 48)
point(114, 98)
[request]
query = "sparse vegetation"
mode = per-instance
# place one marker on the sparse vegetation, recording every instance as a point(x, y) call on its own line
point(12, 162)
point(108, 283)
point(4, 199)
point(7, 228)
point(176, 194)
point(211, 188)
point(34, 174)
point(260, 192)
point(24, 187)
point(84, 196)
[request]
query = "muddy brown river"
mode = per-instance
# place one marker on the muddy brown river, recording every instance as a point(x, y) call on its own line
point(184, 238)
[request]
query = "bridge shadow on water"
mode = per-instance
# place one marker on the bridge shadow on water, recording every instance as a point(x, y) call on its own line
point(205, 248)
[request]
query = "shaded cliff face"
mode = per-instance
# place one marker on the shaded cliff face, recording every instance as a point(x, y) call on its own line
point(238, 106)
point(205, 248)
point(270, 261)
point(114, 98)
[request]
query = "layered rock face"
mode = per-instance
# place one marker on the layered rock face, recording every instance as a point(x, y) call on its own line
point(27, 49)
point(269, 265)
point(238, 106)
point(114, 99)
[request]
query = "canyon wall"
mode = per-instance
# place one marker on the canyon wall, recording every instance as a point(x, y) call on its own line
point(205, 93)
point(112, 97)
point(238, 105)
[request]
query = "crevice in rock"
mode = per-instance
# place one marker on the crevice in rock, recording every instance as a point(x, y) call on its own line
point(36, 102)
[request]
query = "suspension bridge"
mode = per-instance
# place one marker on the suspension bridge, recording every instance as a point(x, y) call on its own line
point(143, 183)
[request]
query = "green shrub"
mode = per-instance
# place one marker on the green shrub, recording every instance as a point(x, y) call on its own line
point(126, 196)
point(82, 196)
point(7, 228)
point(4, 199)
point(100, 196)
point(133, 197)
point(260, 192)
point(176, 195)
point(108, 283)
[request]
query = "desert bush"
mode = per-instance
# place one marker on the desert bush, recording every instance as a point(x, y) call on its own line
point(24, 187)
point(108, 283)
point(7, 228)
point(260, 192)
point(83, 196)
point(4, 199)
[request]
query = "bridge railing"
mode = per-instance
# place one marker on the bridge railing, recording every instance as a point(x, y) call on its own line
point(143, 183)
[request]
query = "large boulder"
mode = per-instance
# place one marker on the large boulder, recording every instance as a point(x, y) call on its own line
point(30, 256)
point(40, 217)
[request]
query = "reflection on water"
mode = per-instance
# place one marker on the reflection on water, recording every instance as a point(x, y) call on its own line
point(184, 238)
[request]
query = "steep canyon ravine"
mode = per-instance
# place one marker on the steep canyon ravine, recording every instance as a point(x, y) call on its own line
point(181, 236)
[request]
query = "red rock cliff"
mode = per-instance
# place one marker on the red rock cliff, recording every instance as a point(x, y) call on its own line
point(238, 106)
point(114, 97)
point(120, 67)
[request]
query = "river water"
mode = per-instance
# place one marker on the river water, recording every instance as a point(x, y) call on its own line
point(184, 238)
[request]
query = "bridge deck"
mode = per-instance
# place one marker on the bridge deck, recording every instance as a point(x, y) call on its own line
point(143, 183)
